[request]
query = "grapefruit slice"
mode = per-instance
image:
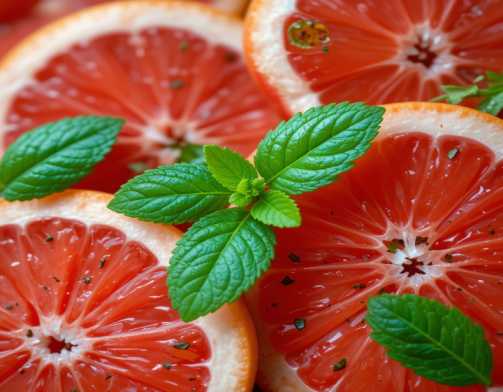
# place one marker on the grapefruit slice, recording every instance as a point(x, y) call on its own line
point(311, 52)
point(422, 212)
point(84, 307)
point(19, 19)
point(173, 70)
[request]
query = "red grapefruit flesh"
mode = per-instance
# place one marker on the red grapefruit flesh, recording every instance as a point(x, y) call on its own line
point(421, 213)
point(84, 307)
point(321, 51)
point(19, 20)
point(173, 70)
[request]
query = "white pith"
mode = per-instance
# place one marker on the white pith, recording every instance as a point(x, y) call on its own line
point(269, 56)
point(232, 346)
point(17, 70)
point(275, 374)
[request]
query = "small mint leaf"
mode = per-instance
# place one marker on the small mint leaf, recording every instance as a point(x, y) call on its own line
point(171, 194)
point(55, 156)
point(258, 186)
point(191, 153)
point(456, 94)
point(245, 187)
point(277, 209)
point(240, 200)
point(312, 148)
point(227, 166)
point(436, 342)
point(494, 77)
point(217, 259)
point(492, 104)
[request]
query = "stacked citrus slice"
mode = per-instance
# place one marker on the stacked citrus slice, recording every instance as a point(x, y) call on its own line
point(84, 307)
point(173, 70)
point(421, 213)
point(311, 52)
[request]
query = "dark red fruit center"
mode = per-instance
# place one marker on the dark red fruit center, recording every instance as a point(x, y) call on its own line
point(57, 346)
point(423, 53)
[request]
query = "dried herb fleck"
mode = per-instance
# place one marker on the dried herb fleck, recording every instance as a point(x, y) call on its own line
point(294, 257)
point(286, 281)
point(184, 46)
point(182, 345)
point(340, 365)
point(299, 324)
point(102, 261)
point(176, 84)
point(453, 153)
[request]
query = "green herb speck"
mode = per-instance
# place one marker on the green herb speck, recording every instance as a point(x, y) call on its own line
point(340, 365)
point(286, 281)
point(182, 345)
point(299, 324)
point(453, 153)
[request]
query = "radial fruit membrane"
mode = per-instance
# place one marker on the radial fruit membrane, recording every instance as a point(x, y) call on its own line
point(173, 86)
point(85, 309)
point(419, 214)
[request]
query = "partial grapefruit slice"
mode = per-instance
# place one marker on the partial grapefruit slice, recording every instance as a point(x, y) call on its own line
point(84, 307)
point(421, 213)
point(173, 70)
point(307, 52)
point(19, 19)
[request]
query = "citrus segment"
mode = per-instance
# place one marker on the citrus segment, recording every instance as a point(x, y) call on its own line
point(84, 306)
point(172, 70)
point(420, 213)
point(309, 52)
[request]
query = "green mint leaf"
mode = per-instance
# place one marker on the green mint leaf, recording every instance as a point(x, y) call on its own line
point(217, 259)
point(56, 156)
point(494, 77)
point(171, 194)
point(311, 149)
point(436, 342)
point(228, 167)
point(240, 200)
point(456, 94)
point(492, 104)
point(191, 153)
point(277, 209)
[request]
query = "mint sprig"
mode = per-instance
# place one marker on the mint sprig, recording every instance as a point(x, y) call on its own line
point(435, 341)
point(55, 156)
point(488, 88)
point(221, 256)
